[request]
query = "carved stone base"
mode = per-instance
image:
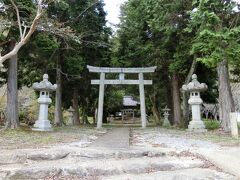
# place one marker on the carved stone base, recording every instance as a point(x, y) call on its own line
point(197, 126)
point(70, 121)
point(166, 123)
point(42, 125)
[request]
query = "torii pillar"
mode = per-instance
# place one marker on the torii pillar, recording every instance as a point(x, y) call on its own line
point(100, 100)
point(142, 100)
point(121, 71)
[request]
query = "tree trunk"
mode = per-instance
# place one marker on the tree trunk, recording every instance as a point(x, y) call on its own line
point(85, 117)
point(168, 87)
point(58, 119)
point(95, 116)
point(226, 103)
point(186, 94)
point(76, 119)
point(155, 111)
point(176, 99)
point(186, 111)
point(12, 92)
point(84, 112)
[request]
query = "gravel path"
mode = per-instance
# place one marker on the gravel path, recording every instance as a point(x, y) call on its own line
point(116, 138)
point(159, 137)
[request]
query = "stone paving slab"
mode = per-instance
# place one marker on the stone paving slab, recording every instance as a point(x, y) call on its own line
point(103, 167)
point(182, 174)
point(227, 159)
point(117, 138)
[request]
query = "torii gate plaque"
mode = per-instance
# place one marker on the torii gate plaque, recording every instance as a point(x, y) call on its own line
point(121, 71)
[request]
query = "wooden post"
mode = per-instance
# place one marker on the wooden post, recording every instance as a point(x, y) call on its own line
point(142, 100)
point(100, 100)
point(122, 115)
point(133, 116)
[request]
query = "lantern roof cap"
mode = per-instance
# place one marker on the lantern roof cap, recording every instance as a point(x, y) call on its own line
point(44, 85)
point(166, 109)
point(71, 109)
point(194, 85)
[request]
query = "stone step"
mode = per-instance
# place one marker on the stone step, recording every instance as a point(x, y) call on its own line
point(73, 166)
point(37, 155)
point(85, 154)
point(182, 174)
point(92, 154)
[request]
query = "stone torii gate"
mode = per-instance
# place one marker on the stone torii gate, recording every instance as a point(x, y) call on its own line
point(121, 71)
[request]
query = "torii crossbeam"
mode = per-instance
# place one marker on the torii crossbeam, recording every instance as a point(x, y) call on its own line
point(121, 71)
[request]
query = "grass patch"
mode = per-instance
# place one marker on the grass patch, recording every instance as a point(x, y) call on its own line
point(211, 124)
point(24, 137)
point(224, 139)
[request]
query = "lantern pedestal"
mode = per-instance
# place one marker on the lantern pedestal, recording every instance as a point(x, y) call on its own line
point(166, 114)
point(71, 116)
point(42, 125)
point(196, 124)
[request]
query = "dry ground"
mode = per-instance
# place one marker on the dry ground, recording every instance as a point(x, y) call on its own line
point(24, 137)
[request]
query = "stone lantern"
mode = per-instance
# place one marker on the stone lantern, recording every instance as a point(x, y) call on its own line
point(166, 122)
point(194, 88)
point(45, 87)
point(70, 116)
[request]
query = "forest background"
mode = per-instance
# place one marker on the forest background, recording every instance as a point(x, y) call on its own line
point(179, 37)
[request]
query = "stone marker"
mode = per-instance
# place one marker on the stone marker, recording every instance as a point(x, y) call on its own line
point(166, 122)
point(70, 116)
point(45, 87)
point(234, 126)
point(111, 119)
point(194, 87)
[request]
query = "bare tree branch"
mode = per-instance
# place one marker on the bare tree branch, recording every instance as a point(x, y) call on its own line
point(24, 38)
point(18, 19)
point(25, 29)
point(83, 12)
point(30, 28)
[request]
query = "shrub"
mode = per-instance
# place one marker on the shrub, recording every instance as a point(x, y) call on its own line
point(211, 124)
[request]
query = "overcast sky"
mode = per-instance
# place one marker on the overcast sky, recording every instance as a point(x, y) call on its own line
point(113, 10)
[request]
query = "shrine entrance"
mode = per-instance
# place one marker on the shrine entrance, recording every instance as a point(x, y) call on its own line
point(121, 71)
